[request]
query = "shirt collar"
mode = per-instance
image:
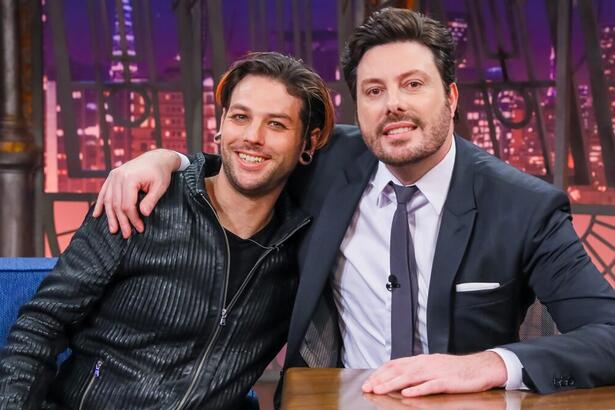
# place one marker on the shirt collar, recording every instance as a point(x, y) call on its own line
point(433, 185)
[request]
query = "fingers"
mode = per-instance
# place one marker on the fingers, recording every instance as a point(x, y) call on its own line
point(150, 172)
point(367, 387)
point(150, 200)
point(394, 383)
point(98, 207)
point(375, 379)
point(111, 220)
point(423, 389)
point(121, 217)
point(130, 194)
point(393, 376)
point(430, 374)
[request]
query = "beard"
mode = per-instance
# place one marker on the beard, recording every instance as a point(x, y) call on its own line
point(406, 152)
point(255, 186)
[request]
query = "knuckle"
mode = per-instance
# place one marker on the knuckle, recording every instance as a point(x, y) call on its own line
point(439, 385)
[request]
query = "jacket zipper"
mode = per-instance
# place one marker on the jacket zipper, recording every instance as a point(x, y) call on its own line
point(226, 308)
point(263, 256)
point(223, 313)
point(95, 375)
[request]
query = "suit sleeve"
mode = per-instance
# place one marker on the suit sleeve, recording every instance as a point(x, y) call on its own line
point(580, 300)
point(63, 300)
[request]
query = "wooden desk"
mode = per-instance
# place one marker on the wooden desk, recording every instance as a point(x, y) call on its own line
point(324, 389)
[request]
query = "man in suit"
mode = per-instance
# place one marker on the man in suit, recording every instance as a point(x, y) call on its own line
point(426, 252)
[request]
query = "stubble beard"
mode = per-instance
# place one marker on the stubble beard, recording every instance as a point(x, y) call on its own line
point(267, 182)
point(399, 153)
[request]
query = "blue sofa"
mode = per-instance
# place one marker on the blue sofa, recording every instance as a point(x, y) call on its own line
point(20, 278)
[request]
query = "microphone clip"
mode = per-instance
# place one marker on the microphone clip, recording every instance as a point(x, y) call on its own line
point(392, 283)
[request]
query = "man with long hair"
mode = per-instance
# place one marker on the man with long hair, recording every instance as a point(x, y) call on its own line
point(188, 314)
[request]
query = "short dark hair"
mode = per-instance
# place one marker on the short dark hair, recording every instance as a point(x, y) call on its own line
point(300, 81)
point(391, 25)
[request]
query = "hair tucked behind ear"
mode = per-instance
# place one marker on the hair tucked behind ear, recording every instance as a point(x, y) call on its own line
point(301, 81)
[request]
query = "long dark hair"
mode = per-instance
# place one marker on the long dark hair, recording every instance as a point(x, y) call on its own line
point(300, 81)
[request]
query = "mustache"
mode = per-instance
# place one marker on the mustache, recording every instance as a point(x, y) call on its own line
point(247, 146)
point(397, 118)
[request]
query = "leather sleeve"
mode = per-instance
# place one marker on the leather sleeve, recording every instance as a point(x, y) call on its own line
point(63, 300)
point(579, 299)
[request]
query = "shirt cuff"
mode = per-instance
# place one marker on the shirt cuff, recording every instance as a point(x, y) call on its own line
point(185, 162)
point(514, 369)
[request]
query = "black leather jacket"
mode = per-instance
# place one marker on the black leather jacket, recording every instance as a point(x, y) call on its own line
point(149, 321)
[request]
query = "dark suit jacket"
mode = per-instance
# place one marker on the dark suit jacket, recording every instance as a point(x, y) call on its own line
point(498, 225)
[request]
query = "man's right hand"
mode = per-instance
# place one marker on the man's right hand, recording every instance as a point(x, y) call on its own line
point(150, 173)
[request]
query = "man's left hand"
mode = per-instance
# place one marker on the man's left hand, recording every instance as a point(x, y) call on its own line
point(438, 373)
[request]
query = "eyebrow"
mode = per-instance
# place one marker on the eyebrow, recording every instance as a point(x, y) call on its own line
point(402, 75)
point(238, 106)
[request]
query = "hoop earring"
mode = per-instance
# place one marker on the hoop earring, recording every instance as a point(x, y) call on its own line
point(306, 158)
point(217, 137)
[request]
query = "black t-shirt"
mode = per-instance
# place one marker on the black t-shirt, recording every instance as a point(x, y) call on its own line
point(245, 253)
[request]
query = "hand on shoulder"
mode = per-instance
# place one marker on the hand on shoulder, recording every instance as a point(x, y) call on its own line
point(150, 173)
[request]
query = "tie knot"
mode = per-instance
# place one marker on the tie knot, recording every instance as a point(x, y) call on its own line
point(404, 193)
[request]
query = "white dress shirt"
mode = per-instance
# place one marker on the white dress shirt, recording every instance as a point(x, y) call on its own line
point(363, 266)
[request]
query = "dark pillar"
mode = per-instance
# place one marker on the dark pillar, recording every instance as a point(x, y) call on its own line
point(562, 103)
point(18, 154)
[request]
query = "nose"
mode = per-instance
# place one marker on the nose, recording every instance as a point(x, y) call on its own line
point(254, 134)
point(396, 102)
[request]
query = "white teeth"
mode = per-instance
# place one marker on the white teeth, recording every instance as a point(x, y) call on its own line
point(250, 158)
point(399, 130)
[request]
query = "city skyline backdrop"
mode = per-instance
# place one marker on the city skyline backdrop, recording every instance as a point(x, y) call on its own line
point(137, 119)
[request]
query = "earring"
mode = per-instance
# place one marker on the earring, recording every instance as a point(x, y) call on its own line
point(217, 137)
point(306, 158)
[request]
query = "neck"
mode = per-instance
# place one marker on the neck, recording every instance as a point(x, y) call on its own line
point(408, 174)
point(241, 214)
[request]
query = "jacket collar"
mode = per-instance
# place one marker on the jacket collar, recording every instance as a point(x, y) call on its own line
point(204, 165)
point(456, 228)
point(321, 248)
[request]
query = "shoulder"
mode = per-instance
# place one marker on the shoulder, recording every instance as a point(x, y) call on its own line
point(346, 141)
point(494, 179)
point(344, 147)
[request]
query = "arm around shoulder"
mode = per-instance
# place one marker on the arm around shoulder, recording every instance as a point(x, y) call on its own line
point(150, 173)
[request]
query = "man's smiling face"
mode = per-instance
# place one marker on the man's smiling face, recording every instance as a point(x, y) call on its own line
point(261, 136)
point(403, 110)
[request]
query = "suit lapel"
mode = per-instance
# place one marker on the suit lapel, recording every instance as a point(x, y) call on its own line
point(458, 217)
point(328, 231)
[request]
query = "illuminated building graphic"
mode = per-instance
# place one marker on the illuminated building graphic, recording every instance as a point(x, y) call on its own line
point(140, 110)
point(459, 30)
point(123, 55)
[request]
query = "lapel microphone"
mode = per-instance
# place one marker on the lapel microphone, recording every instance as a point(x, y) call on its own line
point(392, 283)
